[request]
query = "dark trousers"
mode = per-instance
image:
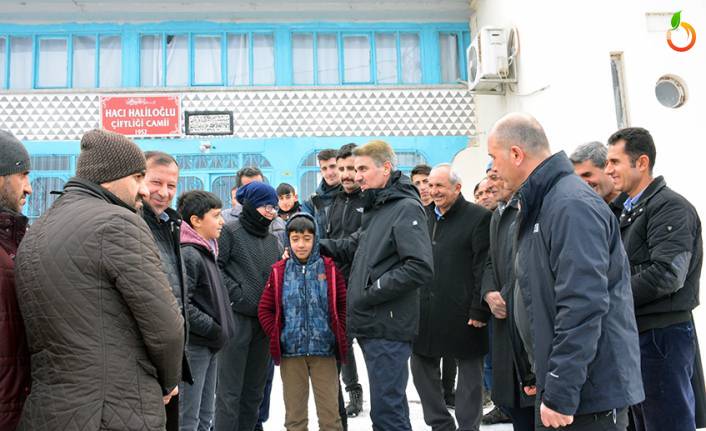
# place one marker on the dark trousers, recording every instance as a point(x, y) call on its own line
point(172, 411)
point(349, 370)
point(388, 372)
point(469, 393)
point(242, 374)
point(197, 401)
point(667, 357)
point(522, 417)
point(612, 420)
point(264, 413)
point(341, 402)
point(448, 375)
point(488, 361)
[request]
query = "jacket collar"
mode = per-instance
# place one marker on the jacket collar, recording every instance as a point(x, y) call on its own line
point(172, 214)
point(13, 226)
point(80, 185)
point(541, 180)
point(655, 186)
point(455, 207)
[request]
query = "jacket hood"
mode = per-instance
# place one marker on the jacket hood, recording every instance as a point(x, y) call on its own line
point(542, 179)
point(315, 250)
point(399, 186)
point(324, 189)
point(188, 236)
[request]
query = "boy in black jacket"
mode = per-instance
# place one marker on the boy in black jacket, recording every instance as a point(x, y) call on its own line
point(210, 318)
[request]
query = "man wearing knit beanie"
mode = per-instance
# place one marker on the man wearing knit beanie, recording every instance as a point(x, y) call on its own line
point(114, 162)
point(104, 330)
point(14, 368)
point(247, 250)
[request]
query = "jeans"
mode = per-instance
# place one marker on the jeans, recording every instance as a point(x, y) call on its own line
point(388, 372)
point(488, 361)
point(667, 357)
point(264, 413)
point(197, 401)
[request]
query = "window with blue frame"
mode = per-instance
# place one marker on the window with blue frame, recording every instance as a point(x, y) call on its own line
point(67, 61)
point(451, 56)
point(183, 60)
point(210, 54)
point(367, 58)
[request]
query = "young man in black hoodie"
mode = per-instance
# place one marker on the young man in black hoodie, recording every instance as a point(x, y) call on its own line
point(247, 251)
point(210, 318)
point(344, 219)
point(319, 203)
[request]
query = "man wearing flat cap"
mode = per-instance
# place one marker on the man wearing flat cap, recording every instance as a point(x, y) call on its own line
point(14, 358)
point(104, 330)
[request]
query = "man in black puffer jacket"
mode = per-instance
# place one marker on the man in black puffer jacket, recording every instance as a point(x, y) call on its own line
point(247, 251)
point(392, 259)
point(161, 178)
point(662, 237)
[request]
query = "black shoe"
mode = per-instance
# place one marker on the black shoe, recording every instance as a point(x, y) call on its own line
point(450, 400)
point(258, 427)
point(355, 404)
point(495, 416)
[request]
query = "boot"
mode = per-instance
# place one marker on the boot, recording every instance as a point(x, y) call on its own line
point(355, 397)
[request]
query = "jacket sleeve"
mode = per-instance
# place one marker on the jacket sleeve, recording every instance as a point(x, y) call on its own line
point(410, 235)
point(131, 259)
point(488, 284)
point(341, 250)
point(579, 258)
point(267, 308)
point(671, 235)
point(341, 298)
point(225, 249)
point(308, 206)
point(481, 242)
point(200, 323)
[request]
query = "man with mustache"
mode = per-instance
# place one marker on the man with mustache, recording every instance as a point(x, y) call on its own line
point(104, 330)
point(14, 357)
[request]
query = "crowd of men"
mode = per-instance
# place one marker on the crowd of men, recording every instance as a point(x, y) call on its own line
point(572, 277)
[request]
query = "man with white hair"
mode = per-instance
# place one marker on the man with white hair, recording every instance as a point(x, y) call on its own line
point(590, 161)
point(451, 305)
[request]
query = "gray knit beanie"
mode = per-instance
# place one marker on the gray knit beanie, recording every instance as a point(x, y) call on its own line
point(107, 156)
point(14, 158)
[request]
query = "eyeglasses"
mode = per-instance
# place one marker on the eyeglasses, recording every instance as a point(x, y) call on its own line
point(270, 208)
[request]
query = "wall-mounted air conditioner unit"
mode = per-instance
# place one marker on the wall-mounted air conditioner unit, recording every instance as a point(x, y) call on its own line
point(492, 60)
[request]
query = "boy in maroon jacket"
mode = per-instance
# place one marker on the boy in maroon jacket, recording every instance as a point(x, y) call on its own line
point(302, 310)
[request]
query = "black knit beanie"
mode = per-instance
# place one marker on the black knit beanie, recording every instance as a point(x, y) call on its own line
point(107, 156)
point(14, 158)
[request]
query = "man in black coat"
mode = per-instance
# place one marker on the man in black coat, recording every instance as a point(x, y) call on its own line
point(451, 305)
point(662, 237)
point(161, 178)
point(392, 259)
point(577, 321)
point(511, 368)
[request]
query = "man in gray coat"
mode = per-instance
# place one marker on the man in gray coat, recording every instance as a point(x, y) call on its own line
point(104, 330)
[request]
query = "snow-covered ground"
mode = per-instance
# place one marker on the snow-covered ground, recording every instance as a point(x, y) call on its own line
point(362, 422)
